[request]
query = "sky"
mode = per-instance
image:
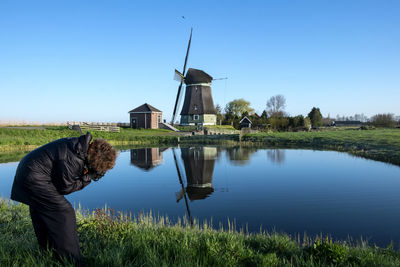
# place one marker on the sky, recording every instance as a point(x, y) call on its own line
point(97, 60)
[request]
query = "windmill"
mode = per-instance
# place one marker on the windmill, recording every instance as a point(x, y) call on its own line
point(198, 107)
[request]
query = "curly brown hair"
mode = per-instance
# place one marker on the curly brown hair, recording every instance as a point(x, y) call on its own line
point(101, 156)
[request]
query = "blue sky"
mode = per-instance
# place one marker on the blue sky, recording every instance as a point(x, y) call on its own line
point(96, 60)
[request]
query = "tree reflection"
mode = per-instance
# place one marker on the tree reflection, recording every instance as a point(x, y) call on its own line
point(240, 155)
point(276, 156)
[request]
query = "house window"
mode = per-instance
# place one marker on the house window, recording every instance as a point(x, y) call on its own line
point(159, 118)
point(195, 117)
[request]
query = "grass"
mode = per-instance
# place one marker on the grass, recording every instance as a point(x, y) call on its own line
point(379, 144)
point(23, 139)
point(114, 239)
point(227, 127)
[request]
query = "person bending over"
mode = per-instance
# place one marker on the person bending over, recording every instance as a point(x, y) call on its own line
point(48, 173)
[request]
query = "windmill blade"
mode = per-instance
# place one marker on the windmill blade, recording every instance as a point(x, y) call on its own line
point(187, 52)
point(178, 96)
point(183, 74)
point(178, 76)
point(179, 194)
point(218, 79)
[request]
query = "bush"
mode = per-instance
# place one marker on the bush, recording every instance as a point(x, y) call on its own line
point(383, 120)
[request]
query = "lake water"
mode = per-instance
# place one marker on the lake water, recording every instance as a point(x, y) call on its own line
point(286, 190)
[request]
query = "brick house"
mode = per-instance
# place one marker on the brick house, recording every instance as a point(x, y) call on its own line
point(145, 116)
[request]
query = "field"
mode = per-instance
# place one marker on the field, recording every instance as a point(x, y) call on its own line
point(109, 238)
point(27, 139)
point(378, 144)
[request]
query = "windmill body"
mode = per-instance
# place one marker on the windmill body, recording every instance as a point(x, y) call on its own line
point(198, 107)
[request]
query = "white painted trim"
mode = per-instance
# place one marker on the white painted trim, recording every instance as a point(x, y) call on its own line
point(202, 84)
point(201, 185)
point(245, 117)
point(144, 112)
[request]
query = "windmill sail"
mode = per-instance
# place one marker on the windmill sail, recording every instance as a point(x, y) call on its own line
point(179, 76)
point(182, 192)
point(183, 75)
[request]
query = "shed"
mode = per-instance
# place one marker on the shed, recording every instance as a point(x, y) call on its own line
point(145, 116)
point(146, 158)
point(245, 123)
point(347, 123)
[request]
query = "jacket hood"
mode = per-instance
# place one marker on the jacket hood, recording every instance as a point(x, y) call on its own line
point(82, 146)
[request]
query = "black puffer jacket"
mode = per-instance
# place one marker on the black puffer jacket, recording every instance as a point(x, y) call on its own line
point(46, 174)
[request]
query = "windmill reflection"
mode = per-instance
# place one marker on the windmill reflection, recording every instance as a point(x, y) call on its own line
point(199, 167)
point(147, 158)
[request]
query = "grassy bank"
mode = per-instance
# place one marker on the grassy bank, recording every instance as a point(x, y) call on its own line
point(28, 139)
point(379, 144)
point(108, 239)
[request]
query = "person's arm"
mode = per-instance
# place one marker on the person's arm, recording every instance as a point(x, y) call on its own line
point(64, 180)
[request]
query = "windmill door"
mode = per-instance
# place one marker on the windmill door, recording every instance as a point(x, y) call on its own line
point(134, 123)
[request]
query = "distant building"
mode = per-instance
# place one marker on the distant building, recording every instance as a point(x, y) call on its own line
point(245, 123)
point(145, 116)
point(347, 123)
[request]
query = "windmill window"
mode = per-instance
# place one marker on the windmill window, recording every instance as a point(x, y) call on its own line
point(195, 107)
point(195, 117)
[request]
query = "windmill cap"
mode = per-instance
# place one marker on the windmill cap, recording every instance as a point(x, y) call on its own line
point(197, 76)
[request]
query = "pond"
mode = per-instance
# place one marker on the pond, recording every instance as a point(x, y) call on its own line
point(284, 190)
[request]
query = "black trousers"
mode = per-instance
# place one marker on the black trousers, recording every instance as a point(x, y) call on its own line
point(57, 230)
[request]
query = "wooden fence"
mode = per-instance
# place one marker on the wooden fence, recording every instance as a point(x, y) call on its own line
point(95, 126)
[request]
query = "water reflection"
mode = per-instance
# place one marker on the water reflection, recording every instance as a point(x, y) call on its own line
point(240, 155)
point(199, 167)
point(356, 197)
point(147, 158)
point(276, 156)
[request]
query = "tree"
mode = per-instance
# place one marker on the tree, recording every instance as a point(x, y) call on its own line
point(276, 106)
point(315, 117)
point(264, 114)
point(307, 123)
point(383, 120)
point(237, 107)
point(220, 117)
